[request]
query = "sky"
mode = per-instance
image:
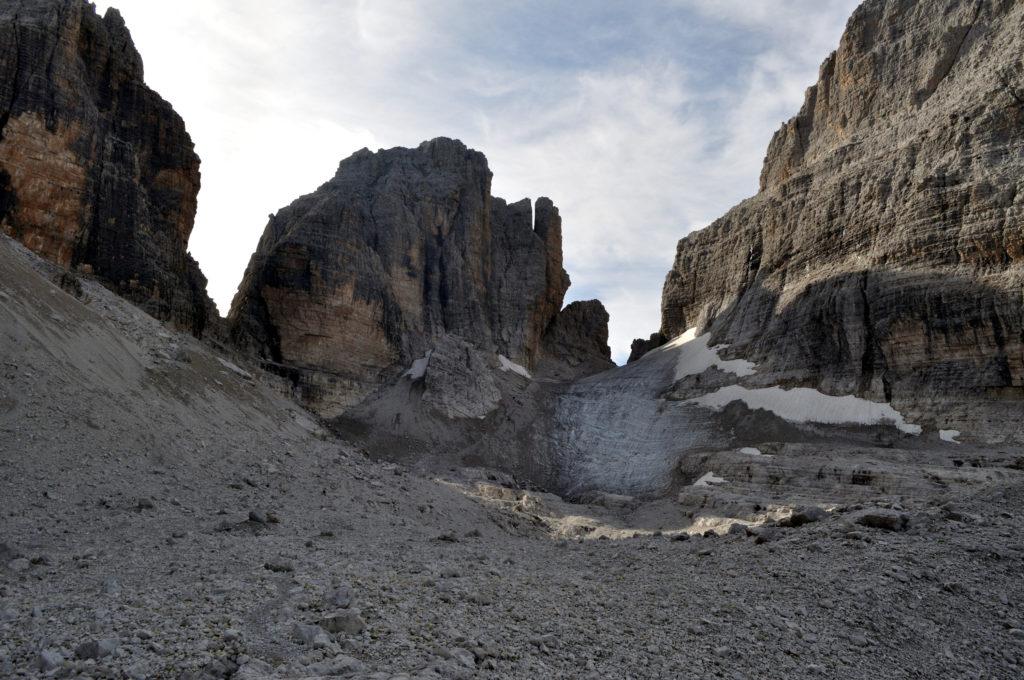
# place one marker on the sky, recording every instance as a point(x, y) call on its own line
point(641, 120)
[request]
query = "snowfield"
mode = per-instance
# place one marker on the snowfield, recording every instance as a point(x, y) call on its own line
point(419, 367)
point(695, 356)
point(805, 405)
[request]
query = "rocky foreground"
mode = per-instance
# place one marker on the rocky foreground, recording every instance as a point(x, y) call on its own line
point(167, 514)
point(814, 469)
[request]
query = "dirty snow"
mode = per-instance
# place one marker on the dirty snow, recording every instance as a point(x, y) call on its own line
point(707, 479)
point(805, 405)
point(695, 356)
point(419, 367)
point(949, 436)
point(235, 369)
point(509, 365)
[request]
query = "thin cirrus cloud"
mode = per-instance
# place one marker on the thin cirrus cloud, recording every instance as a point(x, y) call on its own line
point(642, 121)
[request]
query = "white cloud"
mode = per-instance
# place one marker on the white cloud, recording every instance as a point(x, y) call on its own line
point(641, 123)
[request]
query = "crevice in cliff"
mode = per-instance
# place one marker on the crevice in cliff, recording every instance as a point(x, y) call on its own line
point(867, 360)
point(15, 86)
point(8, 200)
point(50, 115)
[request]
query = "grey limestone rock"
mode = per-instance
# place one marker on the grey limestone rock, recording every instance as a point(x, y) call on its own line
point(348, 621)
point(96, 649)
point(49, 660)
point(882, 518)
point(884, 253)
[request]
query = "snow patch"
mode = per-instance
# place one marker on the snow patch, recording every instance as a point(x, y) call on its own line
point(419, 367)
point(707, 479)
point(751, 451)
point(235, 369)
point(805, 405)
point(695, 356)
point(949, 436)
point(509, 365)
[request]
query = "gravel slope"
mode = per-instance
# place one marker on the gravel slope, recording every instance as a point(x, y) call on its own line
point(166, 514)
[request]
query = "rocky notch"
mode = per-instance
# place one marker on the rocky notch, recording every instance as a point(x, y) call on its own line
point(402, 260)
point(884, 253)
point(97, 171)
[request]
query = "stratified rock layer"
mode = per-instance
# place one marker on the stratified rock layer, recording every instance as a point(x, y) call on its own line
point(884, 254)
point(402, 249)
point(96, 170)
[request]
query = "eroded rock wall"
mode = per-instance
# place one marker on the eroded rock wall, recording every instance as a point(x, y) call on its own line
point(884, 253)
point(96, 169)
point(352, 284)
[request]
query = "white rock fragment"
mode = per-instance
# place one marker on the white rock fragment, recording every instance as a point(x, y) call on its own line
point(949, 436)
point(235, 369)
point(709, 478)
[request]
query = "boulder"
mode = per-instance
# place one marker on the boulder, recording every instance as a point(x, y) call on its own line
point(882, 518)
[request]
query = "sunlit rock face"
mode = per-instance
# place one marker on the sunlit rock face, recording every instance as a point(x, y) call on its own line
point(401, 251)
point(96, 170)
point(884, 253)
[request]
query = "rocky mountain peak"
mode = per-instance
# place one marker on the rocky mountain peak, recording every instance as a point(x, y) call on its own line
point(401, 248)
point(121, 43)
point(898, 62)
point(97, 171)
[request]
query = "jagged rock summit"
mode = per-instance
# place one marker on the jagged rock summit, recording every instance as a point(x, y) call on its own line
point(884, 254)
point(402, 261)
point(96, 170)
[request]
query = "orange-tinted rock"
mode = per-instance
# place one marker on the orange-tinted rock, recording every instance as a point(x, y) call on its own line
point(96, 170)
point(577, 340)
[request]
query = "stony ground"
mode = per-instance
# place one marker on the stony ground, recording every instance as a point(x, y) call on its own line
point(164, 514)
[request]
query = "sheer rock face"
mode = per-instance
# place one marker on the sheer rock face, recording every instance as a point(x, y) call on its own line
point(640, 346)
point(96, 170)
point(884, 254)
point(401, 249)
point(577, 341)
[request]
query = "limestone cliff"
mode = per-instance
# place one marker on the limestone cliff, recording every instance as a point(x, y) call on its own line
point(401, 251)
point(576, 342)
point(884, 253)
point(96, 170)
